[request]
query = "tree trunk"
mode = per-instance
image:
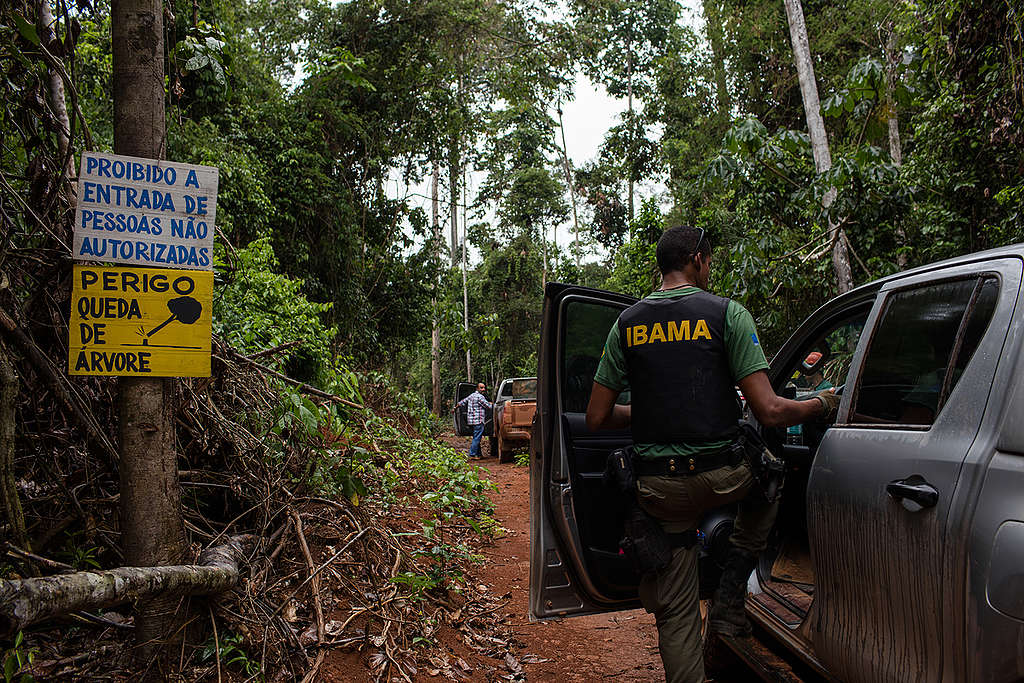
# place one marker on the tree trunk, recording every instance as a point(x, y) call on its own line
point(544, 269)
point(713, 19)
point(465, 289)
point(27, 601)
point(453, 186)
point(819, 139)
point(55, 93)
point(892, 58)
point(572, 194)
point(435, 332)
point(629, 108)
point(152, 531)
point(13, 514)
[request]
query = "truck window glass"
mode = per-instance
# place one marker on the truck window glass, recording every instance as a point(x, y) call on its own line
point(524, 389)
point(586, 329)
point(905, 379)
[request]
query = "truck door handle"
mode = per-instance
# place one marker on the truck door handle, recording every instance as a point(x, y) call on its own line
point(913, 488)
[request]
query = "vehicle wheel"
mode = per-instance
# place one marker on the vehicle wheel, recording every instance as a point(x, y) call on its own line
point(504, 454)
point(494, 446)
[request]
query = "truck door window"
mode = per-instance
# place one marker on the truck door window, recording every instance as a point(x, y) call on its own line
point(586, 329)
point(822, 365)
point(908, 373)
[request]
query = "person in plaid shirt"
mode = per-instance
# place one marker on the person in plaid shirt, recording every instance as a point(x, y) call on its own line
point(476, 404)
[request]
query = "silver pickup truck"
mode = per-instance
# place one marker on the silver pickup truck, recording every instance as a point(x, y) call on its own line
point(898, 554)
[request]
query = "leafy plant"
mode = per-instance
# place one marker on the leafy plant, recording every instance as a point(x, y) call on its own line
point(229, 648)
point(16, 658)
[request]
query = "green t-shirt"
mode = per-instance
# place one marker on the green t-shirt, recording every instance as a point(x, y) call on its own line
point(745, 357)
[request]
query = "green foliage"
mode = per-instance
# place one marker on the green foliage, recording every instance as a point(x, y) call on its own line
point(16, 658)
point(232, 654)
point(635, 269)
point(201, 56)
point(79, 551)
point(256, 308)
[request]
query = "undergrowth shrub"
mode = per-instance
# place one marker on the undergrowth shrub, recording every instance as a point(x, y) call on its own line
point(256, 308)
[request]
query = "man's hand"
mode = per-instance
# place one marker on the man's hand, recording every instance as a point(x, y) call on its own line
point(830, 404)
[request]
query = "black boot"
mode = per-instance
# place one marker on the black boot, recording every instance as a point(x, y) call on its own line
point(728, 617)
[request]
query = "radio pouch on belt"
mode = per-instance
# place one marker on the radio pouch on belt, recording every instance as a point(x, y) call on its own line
point(768, 470)
point(647, 545)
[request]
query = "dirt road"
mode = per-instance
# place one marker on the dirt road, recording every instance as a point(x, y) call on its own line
point(621, 646)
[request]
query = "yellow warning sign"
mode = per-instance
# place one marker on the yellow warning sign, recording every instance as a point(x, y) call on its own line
point(140, 322)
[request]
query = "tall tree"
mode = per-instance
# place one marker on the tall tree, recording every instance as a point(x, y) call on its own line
point(819, 138)
point(435, 328)
point(152, 530)
point(716, 38)
point(620, 41)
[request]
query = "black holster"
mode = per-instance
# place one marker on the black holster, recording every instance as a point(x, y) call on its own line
point(768, 470)
point(647, 545)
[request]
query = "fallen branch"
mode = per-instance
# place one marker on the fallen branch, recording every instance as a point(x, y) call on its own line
point(314, 580)
point(60, 385)
point(24, 602)
point(301, 386)
point(14, 551)
point(275, 349)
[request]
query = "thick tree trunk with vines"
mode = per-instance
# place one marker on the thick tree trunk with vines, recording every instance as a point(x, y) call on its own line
point(152, 531)
point(27, 601)
point(819, 139)
point(13, 514)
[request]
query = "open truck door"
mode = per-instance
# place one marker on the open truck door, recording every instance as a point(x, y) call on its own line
point(576, 566)
point(459, 419)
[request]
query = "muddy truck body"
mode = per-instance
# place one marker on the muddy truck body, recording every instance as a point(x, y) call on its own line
point(514, 408)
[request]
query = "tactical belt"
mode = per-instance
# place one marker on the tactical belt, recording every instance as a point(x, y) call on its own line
point(687, 465)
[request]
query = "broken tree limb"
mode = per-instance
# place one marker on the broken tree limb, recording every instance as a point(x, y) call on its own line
point(24, 602)
point(58, 383)
point(301, 386)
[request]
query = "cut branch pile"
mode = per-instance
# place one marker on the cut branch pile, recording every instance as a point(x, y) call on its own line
point(321, 575)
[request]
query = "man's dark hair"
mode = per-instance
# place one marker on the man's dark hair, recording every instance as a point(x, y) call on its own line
point(677, 246)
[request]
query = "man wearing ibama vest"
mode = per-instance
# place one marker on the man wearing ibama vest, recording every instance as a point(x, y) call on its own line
point(682, 352)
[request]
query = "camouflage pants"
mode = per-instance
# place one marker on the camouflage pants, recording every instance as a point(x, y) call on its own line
point(672, 595)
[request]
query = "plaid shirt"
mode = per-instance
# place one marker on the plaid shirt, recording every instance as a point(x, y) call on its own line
point(475, 404)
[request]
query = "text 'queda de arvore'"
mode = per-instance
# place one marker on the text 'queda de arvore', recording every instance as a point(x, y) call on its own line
point(140, 321)
point(145, 212)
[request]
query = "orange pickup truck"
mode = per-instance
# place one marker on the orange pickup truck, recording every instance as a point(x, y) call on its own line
point(514, 407)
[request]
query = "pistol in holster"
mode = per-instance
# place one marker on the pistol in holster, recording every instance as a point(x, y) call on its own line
point(768, 470)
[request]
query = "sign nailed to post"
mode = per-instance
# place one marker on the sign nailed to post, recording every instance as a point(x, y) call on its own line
point(145, 212)
point(140, 322)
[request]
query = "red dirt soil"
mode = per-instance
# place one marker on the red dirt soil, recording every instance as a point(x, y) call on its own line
point(622, 646)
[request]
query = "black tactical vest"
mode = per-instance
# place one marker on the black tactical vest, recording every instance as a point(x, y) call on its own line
point(678, 366)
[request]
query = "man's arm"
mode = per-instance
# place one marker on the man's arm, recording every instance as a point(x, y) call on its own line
point(772, 410)
point(602, 411)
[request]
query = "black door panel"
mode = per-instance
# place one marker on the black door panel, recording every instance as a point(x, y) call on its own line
point(461, 423)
